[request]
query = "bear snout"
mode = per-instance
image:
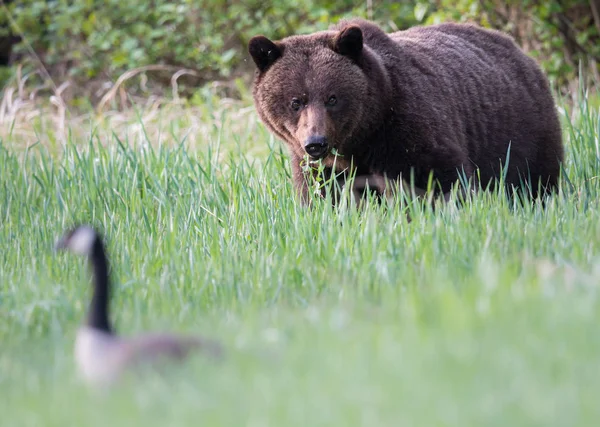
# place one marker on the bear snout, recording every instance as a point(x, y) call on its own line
point(316, 146)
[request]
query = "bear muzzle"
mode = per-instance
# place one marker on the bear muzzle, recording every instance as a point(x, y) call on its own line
point(316, 146)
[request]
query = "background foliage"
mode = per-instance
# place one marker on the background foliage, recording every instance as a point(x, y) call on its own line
point(91, 45)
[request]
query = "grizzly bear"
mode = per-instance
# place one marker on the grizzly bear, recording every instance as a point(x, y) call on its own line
point(448, 102)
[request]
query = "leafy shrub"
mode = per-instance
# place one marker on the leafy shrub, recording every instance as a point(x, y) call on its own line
point(91, 43)
point(88, 43)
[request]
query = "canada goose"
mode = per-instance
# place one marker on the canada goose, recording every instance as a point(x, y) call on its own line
point(101, 355)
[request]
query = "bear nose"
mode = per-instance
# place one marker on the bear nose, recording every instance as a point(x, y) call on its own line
point(316, 146)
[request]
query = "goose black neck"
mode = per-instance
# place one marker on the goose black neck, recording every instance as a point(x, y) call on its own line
point(98, 311)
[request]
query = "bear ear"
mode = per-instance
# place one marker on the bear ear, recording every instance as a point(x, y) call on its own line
point(349, 42)
point(263, 51)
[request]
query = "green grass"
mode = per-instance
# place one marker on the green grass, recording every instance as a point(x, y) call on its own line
point(484, 315)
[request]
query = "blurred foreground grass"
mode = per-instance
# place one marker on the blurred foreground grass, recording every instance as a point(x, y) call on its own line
point(483, 315)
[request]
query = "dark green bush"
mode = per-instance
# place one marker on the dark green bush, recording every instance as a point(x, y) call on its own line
point(90, 43)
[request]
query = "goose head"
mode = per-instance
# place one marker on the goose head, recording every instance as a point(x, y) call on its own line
point(80, 240)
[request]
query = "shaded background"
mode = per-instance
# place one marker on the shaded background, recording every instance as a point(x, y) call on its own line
point(171, 48)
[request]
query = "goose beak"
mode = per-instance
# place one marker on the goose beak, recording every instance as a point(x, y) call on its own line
point(60, 244)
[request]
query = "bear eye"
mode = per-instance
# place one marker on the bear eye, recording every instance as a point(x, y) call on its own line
point(332, 101)
point(296, 104)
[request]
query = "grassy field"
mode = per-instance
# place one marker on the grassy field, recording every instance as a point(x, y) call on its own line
point(484, 315)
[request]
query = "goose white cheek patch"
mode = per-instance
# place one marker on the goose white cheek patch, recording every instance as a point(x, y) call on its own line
point(82, 240)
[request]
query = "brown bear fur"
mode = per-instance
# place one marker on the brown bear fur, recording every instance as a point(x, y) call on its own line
point(447, 99)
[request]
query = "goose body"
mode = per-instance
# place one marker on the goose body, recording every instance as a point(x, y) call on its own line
point(100, 354)
point(101, 357)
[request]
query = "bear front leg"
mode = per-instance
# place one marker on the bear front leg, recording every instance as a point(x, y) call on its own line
point(314, 180)
point(301, 180)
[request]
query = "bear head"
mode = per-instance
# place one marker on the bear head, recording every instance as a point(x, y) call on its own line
point(314, 91)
